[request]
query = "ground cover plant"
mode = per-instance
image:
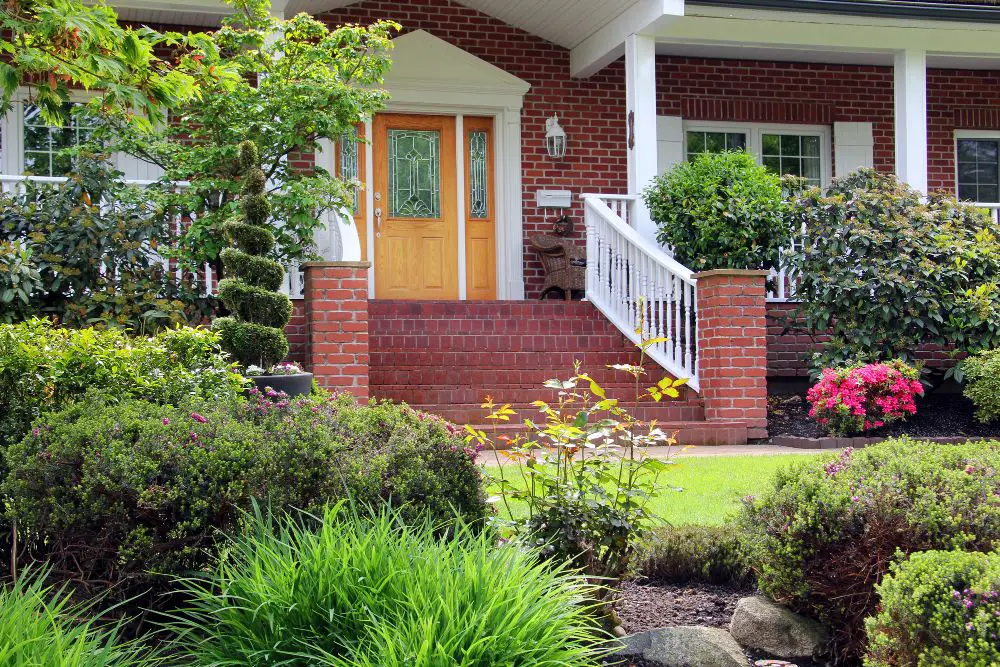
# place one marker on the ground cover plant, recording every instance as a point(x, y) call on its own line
point(828, 530)
point(861, 397)
point(938, 608)
point(982, 383)
point(695, 553)
point(298, 594)
point(720, 211)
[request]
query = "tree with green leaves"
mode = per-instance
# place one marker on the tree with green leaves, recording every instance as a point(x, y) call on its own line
point(54, 46)
point(255, 332)
point(300, 82)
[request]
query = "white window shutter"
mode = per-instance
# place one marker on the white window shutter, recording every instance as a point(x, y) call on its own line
point(669, 142)
point(136, 169)
point(853, 145)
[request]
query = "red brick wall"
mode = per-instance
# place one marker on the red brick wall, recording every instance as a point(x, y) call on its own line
point(591, 111)
point(336, 325)
point(732, 347)
point(957, 99)
point(775, 92)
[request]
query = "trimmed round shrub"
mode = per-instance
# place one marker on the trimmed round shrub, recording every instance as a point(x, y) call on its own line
point(938, 608)
point(982, 384)
point(682, 554)
point(254, 334)
point(119, 493)
point(824, 536)
point(862, 397)
point(373, 592)
point(720, 211)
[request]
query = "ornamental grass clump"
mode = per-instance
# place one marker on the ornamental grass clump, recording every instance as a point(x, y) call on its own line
point(938, 608)
point(339, 589)
point(254, 332)
point(863, 397)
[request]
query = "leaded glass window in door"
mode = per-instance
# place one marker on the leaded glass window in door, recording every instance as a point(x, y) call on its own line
point(479, 207)
point(349, 164)
point(415, 173)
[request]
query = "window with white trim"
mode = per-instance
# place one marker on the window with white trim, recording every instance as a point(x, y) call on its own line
point(978, 168)
point(799, 150)
point(44, 144)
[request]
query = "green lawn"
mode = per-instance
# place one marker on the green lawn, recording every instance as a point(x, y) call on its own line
point(711, 487)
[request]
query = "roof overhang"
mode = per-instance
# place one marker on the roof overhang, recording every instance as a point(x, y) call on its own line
point(937, 11)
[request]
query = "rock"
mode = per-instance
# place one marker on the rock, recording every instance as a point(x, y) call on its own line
point(686, 646)
point(619, 631)
point(765, 626)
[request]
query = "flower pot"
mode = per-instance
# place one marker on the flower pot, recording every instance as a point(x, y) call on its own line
point(299, 384)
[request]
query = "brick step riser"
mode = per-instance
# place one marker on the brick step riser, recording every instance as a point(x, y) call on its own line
point(685, 433)
point(477, 415)
point(468, 395)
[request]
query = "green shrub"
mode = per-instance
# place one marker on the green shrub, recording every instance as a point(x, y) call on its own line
point(825, 534)
point(982, 383)
point(19, 282)
point(374, 592)
point(939, 608)
point(121, 492)
point(709, 554)
point(254, 334)
point(883, 273)
point(43, 367)
point(40, 626)
point(720, 211)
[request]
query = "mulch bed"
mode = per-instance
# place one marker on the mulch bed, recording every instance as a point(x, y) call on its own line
point(645, 607)
point(938, 415)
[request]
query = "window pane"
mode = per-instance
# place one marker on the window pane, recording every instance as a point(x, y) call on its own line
point(37, 163)
point(810, 147)
point(773, 163)
point(988, 194)
point(696, 142)
point(36, 138)
point(736, 141)
point(988, 174)
point(414, 173)
point(478, 176)
point(791, 166)
point(967, 172)
point(986, 151)
point(771, 144)
point(790, 144)
point(966, 150)
point(810, 168)
point(968, 191)
point(715, 142)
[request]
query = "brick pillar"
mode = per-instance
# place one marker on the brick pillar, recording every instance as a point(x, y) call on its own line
point(732, 347)
point(336, 315)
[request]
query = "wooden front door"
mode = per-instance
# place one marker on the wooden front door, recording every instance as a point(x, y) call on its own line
point(415, 207)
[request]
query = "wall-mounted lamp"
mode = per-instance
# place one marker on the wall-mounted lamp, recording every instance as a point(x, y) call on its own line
point(555, 138)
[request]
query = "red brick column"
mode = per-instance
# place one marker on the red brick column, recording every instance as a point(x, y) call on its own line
point(336, 315)
point(732, 347)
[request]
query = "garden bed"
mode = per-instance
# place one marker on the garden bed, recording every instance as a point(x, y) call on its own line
point(939, 416)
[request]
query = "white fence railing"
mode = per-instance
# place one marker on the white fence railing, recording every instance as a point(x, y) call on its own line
point(206, 280)
point(641, 289)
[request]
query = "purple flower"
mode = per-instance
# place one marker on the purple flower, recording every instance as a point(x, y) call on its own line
point(198, 418)
point(165, 421)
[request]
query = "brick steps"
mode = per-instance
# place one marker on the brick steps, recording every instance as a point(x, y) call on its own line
point(471, 413)
point(687, 433)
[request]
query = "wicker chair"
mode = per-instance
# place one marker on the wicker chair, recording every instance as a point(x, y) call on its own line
point(564, 264)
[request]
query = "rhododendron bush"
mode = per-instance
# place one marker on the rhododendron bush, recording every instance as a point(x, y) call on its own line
point(862, 397)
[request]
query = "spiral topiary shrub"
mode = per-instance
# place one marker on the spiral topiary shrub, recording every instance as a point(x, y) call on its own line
point(254, 331)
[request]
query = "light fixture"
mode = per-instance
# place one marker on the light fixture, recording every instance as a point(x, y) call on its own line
point(555, 138)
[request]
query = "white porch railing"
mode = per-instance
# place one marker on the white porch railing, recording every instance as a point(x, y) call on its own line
point(293, 284)
point(640, 288)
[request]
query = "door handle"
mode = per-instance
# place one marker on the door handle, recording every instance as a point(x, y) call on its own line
point(378, 222)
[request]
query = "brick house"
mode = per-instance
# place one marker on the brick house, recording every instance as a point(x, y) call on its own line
point(431, 296)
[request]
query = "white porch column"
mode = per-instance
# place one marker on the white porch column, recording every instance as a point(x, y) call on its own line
point(910, 74)
point(640, 92)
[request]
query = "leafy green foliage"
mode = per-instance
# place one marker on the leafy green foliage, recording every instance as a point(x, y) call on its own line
point(255, 334)
point(938, 608)
point(119, 492)
point(52, 46)
point(585, 478)
point(44, 368)
point(300, 81)
point(357, 592)
point(982, 383)
point(19, 281)
point(41, 626)
point(884, 273)
point(97, 247)
point(720, 211)
point(692, 553)
point(826, 533)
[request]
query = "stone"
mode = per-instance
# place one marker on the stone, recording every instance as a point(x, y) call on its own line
point(762, 625)
point(686, 646)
